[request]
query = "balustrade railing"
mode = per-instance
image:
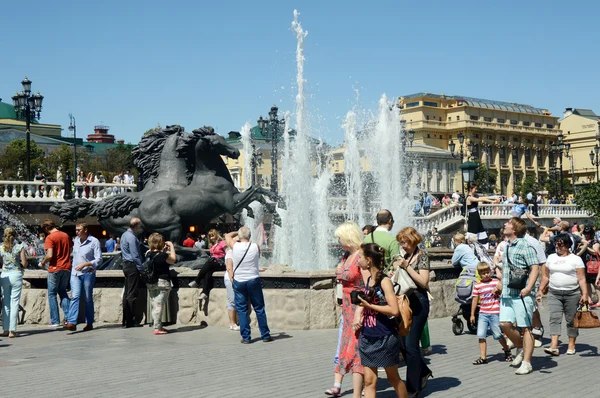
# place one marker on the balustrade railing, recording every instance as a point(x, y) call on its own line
point(449, 214)
point(544, 210)
point(38, 191)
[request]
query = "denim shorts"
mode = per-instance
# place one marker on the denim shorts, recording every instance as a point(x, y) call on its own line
point(493, 322)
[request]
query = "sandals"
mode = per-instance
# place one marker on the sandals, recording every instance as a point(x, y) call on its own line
point(508, 357)
point(552, 351)
point(480, 361)
point(334, 392)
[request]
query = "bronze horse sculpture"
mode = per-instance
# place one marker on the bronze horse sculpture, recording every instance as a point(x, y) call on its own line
point(186, 183)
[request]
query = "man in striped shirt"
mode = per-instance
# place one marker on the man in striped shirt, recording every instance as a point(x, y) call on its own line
point(516, 305)
point(485, 294)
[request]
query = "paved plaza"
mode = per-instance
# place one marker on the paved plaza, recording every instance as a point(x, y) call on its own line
point(210, 362)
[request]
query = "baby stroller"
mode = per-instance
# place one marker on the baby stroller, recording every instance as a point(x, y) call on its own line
point(464, 296)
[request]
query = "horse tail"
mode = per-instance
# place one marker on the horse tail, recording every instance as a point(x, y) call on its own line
point(112, 207)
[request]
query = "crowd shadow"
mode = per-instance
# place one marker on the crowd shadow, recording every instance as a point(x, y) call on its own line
point(275, 336)
point(439, 384)
point(438, 349)
point(4, 345)
point(543, 364)
point(591, 351)
point(189, 328)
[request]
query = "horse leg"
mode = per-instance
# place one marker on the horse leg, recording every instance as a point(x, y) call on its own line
point(270, 207)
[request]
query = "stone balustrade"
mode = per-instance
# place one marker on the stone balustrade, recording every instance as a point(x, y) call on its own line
point(447, 215)
point(38, 191)
point(492, 211)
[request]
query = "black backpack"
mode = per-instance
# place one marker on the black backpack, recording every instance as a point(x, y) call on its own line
point(148, 274)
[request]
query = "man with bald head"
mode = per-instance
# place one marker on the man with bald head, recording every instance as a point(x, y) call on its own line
point(382, 236)
point(132, 266)
point(247, 286)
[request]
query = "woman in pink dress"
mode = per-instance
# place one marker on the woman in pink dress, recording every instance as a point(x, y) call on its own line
point(350, 275)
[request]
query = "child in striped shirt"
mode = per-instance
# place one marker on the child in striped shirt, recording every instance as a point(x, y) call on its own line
point(489, 313)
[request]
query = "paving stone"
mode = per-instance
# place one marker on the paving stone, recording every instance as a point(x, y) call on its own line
point(210, 362)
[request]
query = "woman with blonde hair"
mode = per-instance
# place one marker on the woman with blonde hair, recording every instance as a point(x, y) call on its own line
point(351, 277)
point(416, 264)
point(14, 261)
point(216, 262)
point(163, 256)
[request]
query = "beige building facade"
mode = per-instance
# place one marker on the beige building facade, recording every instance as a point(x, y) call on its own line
point(514, 139)
point(581, 129)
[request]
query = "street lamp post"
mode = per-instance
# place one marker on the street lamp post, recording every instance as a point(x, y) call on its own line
point(560, 148)
point(272, 129)
point(595, 151)
point(461, 153)
point(73, 128)
point(27, 106)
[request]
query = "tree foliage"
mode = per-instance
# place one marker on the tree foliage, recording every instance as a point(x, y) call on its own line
point(14, 157)
point(528, 184)
point(588, 199)
point(481, 179)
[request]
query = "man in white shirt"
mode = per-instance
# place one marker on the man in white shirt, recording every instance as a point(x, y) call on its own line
point(455, 197)
point(128, 178)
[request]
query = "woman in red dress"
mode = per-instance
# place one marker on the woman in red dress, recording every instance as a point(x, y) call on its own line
point(350, 275)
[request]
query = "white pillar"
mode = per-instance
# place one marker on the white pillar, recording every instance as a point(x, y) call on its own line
point(434, 177)
point(425, 177)
point(445, 181)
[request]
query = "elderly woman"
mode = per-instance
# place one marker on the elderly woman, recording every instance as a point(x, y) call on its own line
point(564, 274)
point(463, 256)
point(11, 281)
point(352, 278)
point(416, 264)
point(216, 262)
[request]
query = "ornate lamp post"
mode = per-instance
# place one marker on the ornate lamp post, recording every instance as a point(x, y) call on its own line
point(461, 154)
point(73, 128)
point(595, 151)
point(272, 129)
point(561, 149)
point(27, 107)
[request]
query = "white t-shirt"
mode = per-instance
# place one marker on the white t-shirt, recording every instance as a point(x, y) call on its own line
point(563, 274)
point(248, 269)
point(228, 256)
point(500, 249)
point(455, 196)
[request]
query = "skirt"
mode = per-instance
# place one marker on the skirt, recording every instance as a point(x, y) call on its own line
point(379, 352)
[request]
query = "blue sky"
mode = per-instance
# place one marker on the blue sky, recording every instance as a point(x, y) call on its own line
point(132, 64)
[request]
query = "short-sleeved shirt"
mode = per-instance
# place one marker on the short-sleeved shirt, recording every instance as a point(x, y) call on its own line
point(161, 267)
point(60, 243)
point(110, 245)
point(422, 263)
point(563, 271)
point(537, 246)
point(388, 242)
point(189, 242)
point(488, 300)
point(11, 261)
point(218, 250)
point(517, 254)
point(228, 256)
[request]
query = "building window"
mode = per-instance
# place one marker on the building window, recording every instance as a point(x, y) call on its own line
point(502, 152)
point(440, 118)
point(412, 104)
point(503, 138)
point(527, 124)
point(500, 121)
point(489, 137)
point(538, 125)
point(449, 118)
point(426, 117)
point(475, 152)
point(490, 154)
point(458, 118)
point(549, 126)
point(515, 139)
point(474, 117)
point(515, 157)
point(428, 136)
point(528, 157)
point(514, 122)
point(540, 159)
point(429, 103)
point(487, 119)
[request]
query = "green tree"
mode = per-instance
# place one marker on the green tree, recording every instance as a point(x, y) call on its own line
point(14, 157)
point(120, 158)
point(529, 184)
point(481, 178)
point(588, 199)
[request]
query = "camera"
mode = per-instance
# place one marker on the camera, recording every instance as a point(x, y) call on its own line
point(354, 295)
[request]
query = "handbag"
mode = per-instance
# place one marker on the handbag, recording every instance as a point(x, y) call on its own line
point(403, 283)
point(405, 319)
point(517, 277)
point(593, 265)
point(585, 319)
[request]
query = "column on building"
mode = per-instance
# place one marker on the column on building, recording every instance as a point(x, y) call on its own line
point(414, 180)
point(445, 180)
point(434, 177)
point(425, 177)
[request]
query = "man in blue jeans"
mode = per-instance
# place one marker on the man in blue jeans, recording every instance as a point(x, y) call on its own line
point(427, 203)
point(87, 256)
point(244, 273)
point(58, 255)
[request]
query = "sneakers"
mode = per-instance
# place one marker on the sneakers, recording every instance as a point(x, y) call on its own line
point(537, 343)
point(202, 296)
point(193, 284)
point(54, 325)
point(160, 331)
point(234, 327)
point(525, 369)
point(518, 359)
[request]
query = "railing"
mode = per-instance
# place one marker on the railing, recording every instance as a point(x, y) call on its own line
point(38, 191)
point(491, 211)
point(440, 219)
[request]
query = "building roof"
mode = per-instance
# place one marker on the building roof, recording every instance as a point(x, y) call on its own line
point(585, 113)
point(483, 103)
point(7, 111)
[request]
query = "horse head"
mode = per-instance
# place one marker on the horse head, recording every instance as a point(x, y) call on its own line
point(214, 143)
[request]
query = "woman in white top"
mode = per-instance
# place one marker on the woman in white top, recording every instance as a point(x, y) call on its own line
point(244, 274)
point(564, 277)
point(231, 312)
